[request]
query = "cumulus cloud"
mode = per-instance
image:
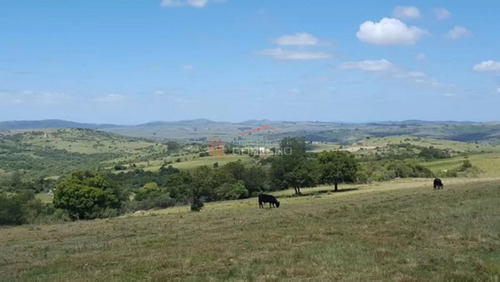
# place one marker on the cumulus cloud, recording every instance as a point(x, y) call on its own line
point(409, 12)
point(389, 31)
point(297, 39)
point(458, 32)
point(182, 3)
point(487, 66)
point(441, 13)
point(386, 68)
point(282, 54)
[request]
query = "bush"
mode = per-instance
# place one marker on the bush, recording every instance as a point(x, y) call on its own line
point(11, 209)
point(387, 170)
point(87, 195)
point(466, 169)
point(231, 191)
point(25, 208)
point(196, 204)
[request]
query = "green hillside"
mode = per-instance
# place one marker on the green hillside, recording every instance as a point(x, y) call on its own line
point(399, 230)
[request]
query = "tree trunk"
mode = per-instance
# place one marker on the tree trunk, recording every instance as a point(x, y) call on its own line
point(336, 187)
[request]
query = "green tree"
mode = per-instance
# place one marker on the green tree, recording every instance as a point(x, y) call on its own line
point(285, 168)
point(296, 146)
point(231, 191)
point(149, 191)
point(200, 187)
point(337, 167)
point(87, 195)
point(236, 169)
point(173, 146)
point(178, 185)
point(255, 180)
point(304, 174)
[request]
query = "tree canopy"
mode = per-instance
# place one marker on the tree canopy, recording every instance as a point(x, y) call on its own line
point(337, 167)
point(87, 195)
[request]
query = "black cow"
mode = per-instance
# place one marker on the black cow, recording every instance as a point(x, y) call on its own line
point(438, 184)
point(263, 198)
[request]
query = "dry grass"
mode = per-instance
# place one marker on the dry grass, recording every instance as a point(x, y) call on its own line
point(400, 230)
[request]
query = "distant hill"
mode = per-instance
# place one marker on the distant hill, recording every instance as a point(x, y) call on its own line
point(193, 122)
point(338, 132)
point(50, 123)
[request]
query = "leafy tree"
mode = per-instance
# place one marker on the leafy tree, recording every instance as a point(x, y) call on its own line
point(434, 153)
point(291, 168)
point(231, 191)
point(216, 179)
point(337, 167)
point(295, 145)
point(199, 187)
point(24, 208)
point(173, 145)
point(178, 185)
point(236, 169)
point(11, 209)
point(286, 167)
point(304, 174)
point(87, 195)
point(149, 191)
point(255, 180)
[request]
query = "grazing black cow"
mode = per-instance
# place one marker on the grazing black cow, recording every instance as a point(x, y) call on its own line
point(263, 198)
point(438, 184)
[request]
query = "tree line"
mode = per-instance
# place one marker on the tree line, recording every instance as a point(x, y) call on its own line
point(87, 194)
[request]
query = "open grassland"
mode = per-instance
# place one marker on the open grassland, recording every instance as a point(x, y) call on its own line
point(209, 161)
point(473, 147)
point(400, 230)
point(488, 164)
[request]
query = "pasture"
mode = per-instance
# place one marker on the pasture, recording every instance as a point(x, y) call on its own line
point(399, 230)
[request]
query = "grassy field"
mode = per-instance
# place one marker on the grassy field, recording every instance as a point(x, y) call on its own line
point(400, 230)
point(488, 164)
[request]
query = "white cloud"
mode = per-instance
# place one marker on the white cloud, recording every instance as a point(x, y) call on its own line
point(421, 57)
point(370, 66)
point(297, 39)
point(409, 12)
point(182, 3)
point(112, 98)
point(282, 54)
point(386, 68)
point(188, 68)
point(389, 31)
point(441, 13)
point(37, 98)
point(487, 66)
point(458, 32)
point(449, 95)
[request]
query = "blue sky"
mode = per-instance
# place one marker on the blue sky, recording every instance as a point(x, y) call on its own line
point(130, 62)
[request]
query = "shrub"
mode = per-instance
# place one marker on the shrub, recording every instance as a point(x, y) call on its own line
point(25, 208)
point(231, 191)
point(87, 195)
